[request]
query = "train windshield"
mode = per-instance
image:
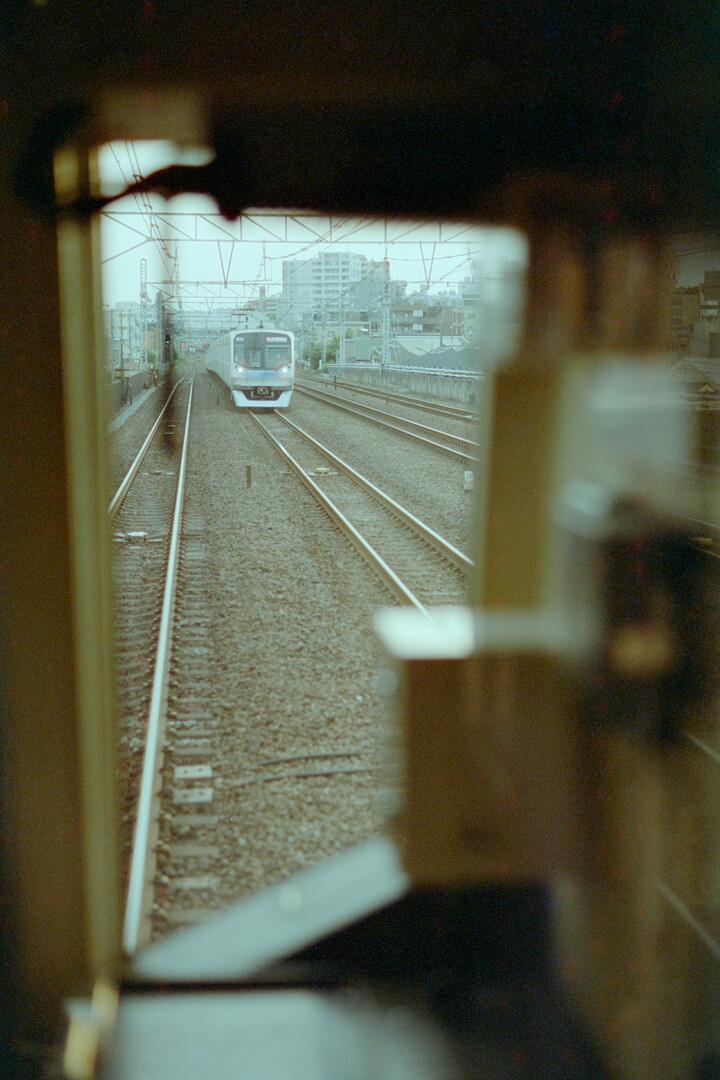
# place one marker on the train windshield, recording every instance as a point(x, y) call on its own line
point(258, 350)
point(277, 353)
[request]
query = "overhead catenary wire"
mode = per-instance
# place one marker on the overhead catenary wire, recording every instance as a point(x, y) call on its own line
point(247, 287)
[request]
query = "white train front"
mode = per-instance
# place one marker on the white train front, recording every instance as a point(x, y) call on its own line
point(257, 366)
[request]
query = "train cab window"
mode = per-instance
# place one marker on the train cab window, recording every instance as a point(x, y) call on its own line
point(252, 694)
point(476, 428)
point(252, 352)
point(293, 406)
point(277, 353)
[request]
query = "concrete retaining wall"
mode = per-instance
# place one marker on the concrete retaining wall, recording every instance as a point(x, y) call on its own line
point(138, 382)
point(456, 387)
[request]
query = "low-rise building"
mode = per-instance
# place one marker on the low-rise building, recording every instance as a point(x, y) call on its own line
point(684, 312)
point(428, 316)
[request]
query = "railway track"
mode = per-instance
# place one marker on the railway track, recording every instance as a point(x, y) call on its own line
point(200, 788)
point(187, 845)
point(185, 790)
point(163, 679)
point(437, 408)
point(191, 771)
point(141, 515)
point(417, 565)
point(450, 443)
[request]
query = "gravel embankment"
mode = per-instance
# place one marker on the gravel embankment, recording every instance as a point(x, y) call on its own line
point(425, 481)
point(297, 672)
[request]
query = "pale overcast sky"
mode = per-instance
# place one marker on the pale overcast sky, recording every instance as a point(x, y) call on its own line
point(187, 241)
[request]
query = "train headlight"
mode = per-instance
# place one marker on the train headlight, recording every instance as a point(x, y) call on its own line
point(285, 370)
point(239, 369)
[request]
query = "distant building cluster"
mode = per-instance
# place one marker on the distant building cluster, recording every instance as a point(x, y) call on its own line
point(335, 293)
point(694, 317)
point(340, 291)
point(131, 336)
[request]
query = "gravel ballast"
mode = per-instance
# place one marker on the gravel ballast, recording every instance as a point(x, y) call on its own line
point(297, 671)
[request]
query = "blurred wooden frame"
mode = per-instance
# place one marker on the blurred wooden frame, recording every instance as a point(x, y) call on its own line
point(86, 914)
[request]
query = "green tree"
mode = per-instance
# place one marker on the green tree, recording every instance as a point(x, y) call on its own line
point(312, 355)
point(331, 349)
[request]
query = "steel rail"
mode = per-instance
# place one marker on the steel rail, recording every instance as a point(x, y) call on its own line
point(367, 413)
point(357, 406)
point(122, 491)
point(396, 586)
point(457, 557)
point(142, 863)
point(437, 408)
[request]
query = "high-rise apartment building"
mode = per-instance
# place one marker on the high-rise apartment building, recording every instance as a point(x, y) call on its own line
point(319, 289)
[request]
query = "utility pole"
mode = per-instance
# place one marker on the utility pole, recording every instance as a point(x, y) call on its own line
point(144, 304)
point(122, 349)
point(112, 344)
point(385, 319)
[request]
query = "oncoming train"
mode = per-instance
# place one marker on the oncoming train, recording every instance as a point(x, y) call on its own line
point(257, 366)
